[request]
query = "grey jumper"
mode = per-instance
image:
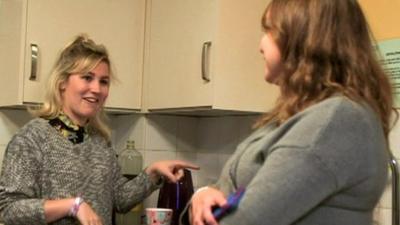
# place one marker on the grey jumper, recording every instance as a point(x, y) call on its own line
point(324, 166)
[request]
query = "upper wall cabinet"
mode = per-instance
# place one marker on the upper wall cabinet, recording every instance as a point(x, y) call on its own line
point(204, 55)
point(32, 33)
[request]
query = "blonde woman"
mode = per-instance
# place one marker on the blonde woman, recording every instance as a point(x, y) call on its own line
point(320, 155)
point(59, 168)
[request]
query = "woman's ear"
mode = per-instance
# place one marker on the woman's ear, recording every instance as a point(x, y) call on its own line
point(63, 86)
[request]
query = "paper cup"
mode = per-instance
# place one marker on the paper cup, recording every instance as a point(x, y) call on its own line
point(158, 216)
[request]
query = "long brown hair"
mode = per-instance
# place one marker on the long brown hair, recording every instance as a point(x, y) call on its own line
point(326, 48)
point(79, 56)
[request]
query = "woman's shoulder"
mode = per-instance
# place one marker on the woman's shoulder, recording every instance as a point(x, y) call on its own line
point(339, 104)
point(339, 109)
point(308, 125)
point(34, 129)
point(99, 140)
point(332, 119)
point(34, 125)
point(30, 137)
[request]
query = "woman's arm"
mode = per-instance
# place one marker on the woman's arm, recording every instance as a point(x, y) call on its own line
point(129, 193)
point(202, 201)
point(19, 187)
point(279, 193)
point(56, 209)
point(21, 201)
point(172, 170)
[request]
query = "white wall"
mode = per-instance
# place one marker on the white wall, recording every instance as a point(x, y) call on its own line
point(10, 122)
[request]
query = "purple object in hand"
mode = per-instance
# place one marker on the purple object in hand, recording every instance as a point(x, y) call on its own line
point(233, 202)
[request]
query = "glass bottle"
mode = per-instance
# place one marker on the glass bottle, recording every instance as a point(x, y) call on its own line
point(131, 162)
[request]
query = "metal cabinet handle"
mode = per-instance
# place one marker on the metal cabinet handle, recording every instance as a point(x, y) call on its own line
point(34, 61)
point(205, 60)
point(395, 190)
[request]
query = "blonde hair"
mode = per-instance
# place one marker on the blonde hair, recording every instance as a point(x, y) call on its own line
point(80, 56)
point(326, 48)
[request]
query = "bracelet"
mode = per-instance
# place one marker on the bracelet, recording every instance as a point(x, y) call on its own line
point(201, 189)
point(75, 207)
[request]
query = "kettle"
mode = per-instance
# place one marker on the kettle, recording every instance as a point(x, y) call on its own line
point(176, 196)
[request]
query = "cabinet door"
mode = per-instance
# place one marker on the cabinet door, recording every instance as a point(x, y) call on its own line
point(238, 65)
point(12, 17)
point(177, 31)
point(119, 25)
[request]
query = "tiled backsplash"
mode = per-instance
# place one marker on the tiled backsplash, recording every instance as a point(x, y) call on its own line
point(10, 122)
point(205, 141)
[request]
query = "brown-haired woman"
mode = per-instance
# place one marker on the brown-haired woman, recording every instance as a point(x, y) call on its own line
point(320, 155)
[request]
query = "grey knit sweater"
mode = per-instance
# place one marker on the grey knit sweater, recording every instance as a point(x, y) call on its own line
point(41, 164)
point(324, 166)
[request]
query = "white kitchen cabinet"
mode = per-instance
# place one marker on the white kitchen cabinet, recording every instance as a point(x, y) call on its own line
point(220, 37)
point(50, 25)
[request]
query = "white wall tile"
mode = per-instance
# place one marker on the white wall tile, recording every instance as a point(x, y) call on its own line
point(187, 131)
point(127, 127)
point(245, 126)
point(151, 156)
point(187, 156)
point(386, 199)
point(219, 134)
point(2, 151)
point(375, 216)
point(208, 134)
point(10, 122)
point(161, 133)
point(209, 168)
point(228, 133)
point(384, 216)
point(223, 134)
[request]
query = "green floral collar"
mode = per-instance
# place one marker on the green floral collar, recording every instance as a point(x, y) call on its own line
point(67, 128)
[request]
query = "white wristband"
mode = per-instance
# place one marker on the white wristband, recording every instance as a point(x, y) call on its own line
point(75, 207)
point(202, 189)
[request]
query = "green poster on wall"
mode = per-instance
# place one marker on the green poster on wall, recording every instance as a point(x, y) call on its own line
point(390, 59)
